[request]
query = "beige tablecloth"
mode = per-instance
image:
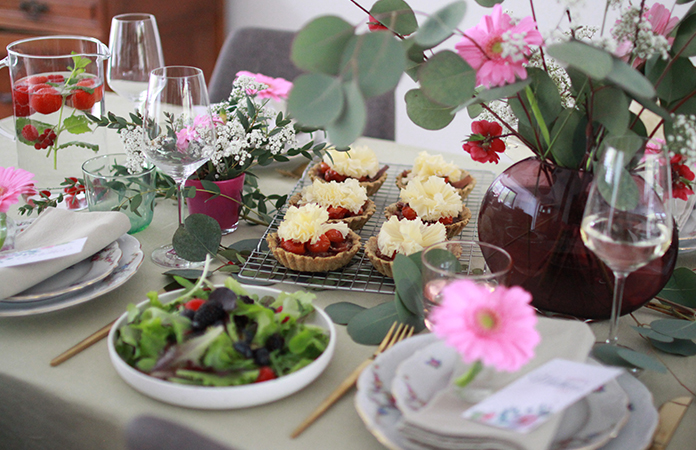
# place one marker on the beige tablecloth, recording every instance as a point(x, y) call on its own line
point(83, 404)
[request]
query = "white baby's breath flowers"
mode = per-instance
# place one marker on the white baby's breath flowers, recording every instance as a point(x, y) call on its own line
point(682, 139)
point(513, 46)
point(637, 31)
point(133, 141)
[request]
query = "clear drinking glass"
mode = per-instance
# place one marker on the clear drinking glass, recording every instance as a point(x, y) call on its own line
point(136, 50)
point(627, 220)
point(454, 260)
point(179, 135)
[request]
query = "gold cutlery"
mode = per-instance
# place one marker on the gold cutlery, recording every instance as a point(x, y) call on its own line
point(671, 413)
point(82, 345)
point(393, 336)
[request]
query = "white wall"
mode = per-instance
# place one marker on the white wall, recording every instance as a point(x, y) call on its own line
point(293, 14)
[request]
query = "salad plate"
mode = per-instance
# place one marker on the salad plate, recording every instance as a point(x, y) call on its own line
point(223, 397)
point(377, 408)
point(128, 264)
point(78, 276)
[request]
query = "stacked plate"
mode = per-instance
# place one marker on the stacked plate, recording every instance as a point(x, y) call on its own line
point(404, 401)
point(81, 282)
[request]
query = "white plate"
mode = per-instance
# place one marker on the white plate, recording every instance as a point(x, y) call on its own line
point(128, 264)
point(377, 407)
point(206, 397)
point(76, 277)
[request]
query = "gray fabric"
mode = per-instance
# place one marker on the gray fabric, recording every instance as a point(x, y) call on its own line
point(152, 433)
point(267, 51)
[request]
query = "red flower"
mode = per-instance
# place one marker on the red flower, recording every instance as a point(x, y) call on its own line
point(375, 25)
point(484, 144)
point(682, 177)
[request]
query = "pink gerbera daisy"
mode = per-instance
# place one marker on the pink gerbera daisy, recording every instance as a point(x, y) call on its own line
point(13, 183)
point(494, 327)
point(497, 48)
point(278, 88)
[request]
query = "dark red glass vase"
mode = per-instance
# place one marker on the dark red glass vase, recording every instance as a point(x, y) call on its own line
point(533, 210)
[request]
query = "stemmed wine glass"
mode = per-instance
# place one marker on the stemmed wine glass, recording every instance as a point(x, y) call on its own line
point(627, 220)
point(179, 135)
point(136, 49)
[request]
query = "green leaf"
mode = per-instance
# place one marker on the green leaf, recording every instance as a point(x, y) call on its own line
point(488, 3)
point(628, 194)
point(447, 79)
point(678, 329)
point(593, 61)
point(350, 124)
point(444, 260)
point(369, 327)
point(506, 91)
point(623, 357)
point(610, 108)
point(677, 82)
point(652, 334)
point(684, 41)
point(319, 45)
point(407, 317)
point(395, 15)
point(568, 139)
point(425, 113)
point(630, 80)
point(315, 99)
point(441, 24)
point(681, 287)
point(77, 124)
point(188, 274)
point(376, 60)
point(342, 312)
point(409, 284)
point(681, 347)
point(200, 235)
point(414, 57)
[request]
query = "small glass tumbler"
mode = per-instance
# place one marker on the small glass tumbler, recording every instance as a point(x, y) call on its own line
point(455, 260)
point(110, 187)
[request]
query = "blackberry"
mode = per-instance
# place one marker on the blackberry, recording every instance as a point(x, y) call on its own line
point(248, 300)
point(207, 315)
point(275, 342)
point(189, 313)
point(262, 357)
point(250, 331)
point(241, 322)
point(244, 349)
point(226, 297)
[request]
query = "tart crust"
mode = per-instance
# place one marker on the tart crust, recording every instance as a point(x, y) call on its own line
point(383, 266)
point(370, 186)
point(305, 263)
point(452, 229)
point(355, 223)
point(463, 192)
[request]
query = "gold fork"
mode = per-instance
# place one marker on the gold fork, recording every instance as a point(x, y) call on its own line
point(394, 335)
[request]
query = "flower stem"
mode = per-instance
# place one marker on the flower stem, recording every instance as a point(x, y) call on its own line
point(470, 374)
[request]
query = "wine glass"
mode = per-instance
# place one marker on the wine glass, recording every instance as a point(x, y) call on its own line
point(179, 135)
point(134, 43)
point(627, 220)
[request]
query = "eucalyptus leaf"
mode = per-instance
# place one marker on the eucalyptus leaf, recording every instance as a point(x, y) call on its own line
point(509, 90)
point(315, 99)
point(488, 3)
point(414, 57)
point(395, 15)
point(681, 347)
point(623, 357)
point(684, 42)
point(677, 77)
point(678, 329)
point(189, 274)
point(318, 46)
point(443, 260)
point(350, 124)
point(652, 334)
point(447, 79)
point(376, 60)
point(342, 312)
point(409, 285)
point(407, 317)
point(369, 327)
point(568, 139)
point(199, 236)
point(440, 25)
point(681, 287)
point(610, 108)
point(425, 113)
point(248, 245)
point(630, 80)
point(627, 195)
point(590, 60)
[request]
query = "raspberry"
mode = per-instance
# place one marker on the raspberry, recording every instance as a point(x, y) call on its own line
point(194, 304)
point(30, 132)
point(83, 100)
point(265, 374)
point(45, 100)
point(55, 78)
point(208, 313)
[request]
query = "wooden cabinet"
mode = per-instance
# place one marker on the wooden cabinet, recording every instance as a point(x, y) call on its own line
point(192, 31)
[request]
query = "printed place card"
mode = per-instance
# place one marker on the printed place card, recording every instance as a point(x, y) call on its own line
point(529, 401)
point(42, 253)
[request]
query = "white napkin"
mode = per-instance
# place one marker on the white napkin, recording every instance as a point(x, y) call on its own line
point(56, 226)
point(439, 424)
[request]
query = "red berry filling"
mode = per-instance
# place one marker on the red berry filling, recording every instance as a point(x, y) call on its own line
point(330, 243)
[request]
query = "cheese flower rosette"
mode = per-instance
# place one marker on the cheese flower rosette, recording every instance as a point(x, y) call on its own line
point(427, 165)
point(359, 162)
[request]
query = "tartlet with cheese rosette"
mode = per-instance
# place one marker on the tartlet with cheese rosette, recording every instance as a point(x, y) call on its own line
point(307, 242)
point(360, 163)
point(427, 165)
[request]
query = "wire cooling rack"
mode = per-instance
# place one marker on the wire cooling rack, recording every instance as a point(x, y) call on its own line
point(359, 275)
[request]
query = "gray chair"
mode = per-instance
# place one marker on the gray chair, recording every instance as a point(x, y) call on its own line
point(267, 51)
point(152, 433)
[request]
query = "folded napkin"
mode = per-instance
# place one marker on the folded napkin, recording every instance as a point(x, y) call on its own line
point(57, 226)
point(439, 422)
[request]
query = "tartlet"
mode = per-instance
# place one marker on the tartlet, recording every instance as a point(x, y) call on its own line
point(360, 163)
point(427, 165)
point(346, 201)
point(401, 236)
point(304, 230)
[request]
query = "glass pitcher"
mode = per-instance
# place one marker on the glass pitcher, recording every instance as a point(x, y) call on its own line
point(55, 81)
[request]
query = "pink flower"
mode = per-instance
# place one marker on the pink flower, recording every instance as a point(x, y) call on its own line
point(484, 144)
point(278, 88)
point(192, 132)
point(495, 327)
point(496, 48)
point(13, 183)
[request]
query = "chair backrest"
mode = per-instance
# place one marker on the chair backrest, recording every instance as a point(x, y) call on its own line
point(152, 433)
point(267, 51)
